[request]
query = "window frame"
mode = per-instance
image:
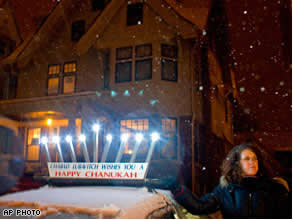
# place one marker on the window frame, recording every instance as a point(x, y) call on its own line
point(28, 145)
point(175, 138)
point(129, 22)
point(66, 74)
point(123, 60)
point(133, 61)
point(56, 75)
point(80, 35)
point(172, 59)
point(143, 58)
point(97, 8)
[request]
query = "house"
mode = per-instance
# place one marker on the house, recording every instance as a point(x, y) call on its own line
point(131, 66)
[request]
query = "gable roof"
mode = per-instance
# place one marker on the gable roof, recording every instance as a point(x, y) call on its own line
point(34, 38)
point(195, 11)
point(23, 53)
point(184, 27)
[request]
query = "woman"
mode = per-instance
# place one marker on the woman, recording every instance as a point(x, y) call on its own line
point(245, 189)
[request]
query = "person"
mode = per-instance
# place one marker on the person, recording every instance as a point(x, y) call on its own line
point(245, 189)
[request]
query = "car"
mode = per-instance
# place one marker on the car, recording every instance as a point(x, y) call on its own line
point(70, 197)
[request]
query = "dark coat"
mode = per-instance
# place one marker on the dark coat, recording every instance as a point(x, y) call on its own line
point(253, 198)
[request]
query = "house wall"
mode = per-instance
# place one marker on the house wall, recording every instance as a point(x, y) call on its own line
point(221, 109)
point(58, 49)
point(163, 98)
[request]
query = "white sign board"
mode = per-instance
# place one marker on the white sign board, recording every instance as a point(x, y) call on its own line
point(119, 171)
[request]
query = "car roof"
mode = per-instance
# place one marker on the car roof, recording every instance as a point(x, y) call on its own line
point(97, 201)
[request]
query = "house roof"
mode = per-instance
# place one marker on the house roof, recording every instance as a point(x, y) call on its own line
point(195, 11)
point(22, 54)
point(183, 26)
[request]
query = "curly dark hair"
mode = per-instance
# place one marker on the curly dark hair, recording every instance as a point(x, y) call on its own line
point(231, 169)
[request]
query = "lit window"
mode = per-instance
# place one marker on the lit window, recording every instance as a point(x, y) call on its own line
point(69, 84)
point(70, 67)
point(54, 69)
point(169, 62)
point(53, 86)
point(131, 127)
point(169, 142)
point(53, 79)
point(135, 14)
point(33, 144)
point(69, 77)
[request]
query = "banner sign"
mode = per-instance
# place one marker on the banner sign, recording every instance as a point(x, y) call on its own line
point(122, 171)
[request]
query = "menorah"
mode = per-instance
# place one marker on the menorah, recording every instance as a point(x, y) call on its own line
point(139, 137)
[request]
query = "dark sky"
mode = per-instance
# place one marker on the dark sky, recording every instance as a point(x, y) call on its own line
point(26, 12)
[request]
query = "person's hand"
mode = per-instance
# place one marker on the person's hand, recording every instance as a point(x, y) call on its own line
point(170, 182)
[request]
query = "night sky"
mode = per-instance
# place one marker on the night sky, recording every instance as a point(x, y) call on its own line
point(259, 33)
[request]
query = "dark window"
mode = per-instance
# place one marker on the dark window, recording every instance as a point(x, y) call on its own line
point(143, 50)
point(124, 53)
point(12, 86)
point(143, 69)
point(134, 14)
point(169, 62)
point(78, 30)
point(98, 5)
point(143, 62)
point(169, 51)
point(123, 72)
point(169, 70)
point(2, 47)
point(123, 64)
point(139, 63)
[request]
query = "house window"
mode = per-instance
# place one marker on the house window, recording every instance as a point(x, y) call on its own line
point(134, 14)
point(69, 77)
point(137, 57)
point(70, 67)
point(54, 69)
point(2, 48)
point(33, 144)
point(143, 62)
point(132, 127)
point(53, 79)
point(123, 64)
point(169, 62)
point(169, 138)
point(77, 30)
point(98, 5)
point(12, 86)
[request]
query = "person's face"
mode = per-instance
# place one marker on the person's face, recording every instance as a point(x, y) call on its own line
point(248, 163)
